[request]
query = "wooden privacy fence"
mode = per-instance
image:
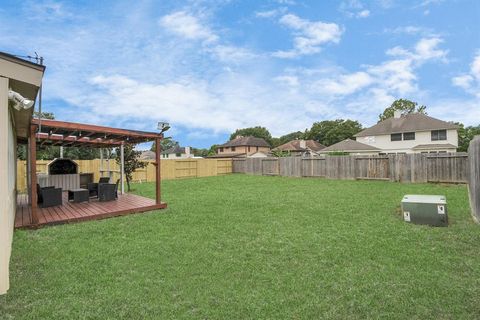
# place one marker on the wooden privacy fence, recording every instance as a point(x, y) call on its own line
point(447, 168)
point(171, 169)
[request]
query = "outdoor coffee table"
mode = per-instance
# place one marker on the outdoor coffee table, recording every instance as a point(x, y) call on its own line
point(78, 195)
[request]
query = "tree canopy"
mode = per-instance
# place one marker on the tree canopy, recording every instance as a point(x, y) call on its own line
point(465, 135)
point(403, 105)
point(259, 132)
point(329, 132)
point(165, 144)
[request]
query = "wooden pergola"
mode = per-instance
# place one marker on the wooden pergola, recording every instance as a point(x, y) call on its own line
point(69, 134)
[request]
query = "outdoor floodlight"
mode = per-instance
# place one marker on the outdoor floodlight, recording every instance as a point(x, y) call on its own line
point(163, 126)
point(19, 102)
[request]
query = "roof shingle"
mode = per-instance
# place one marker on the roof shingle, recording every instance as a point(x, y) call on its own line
point(406, 123)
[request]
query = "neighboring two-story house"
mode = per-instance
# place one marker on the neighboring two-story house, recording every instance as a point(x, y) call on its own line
point(411, 133)
point(242, 146)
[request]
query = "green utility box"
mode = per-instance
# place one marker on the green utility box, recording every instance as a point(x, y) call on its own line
point(425, 209)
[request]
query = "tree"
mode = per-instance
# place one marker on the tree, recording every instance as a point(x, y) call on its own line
point(132, 161)
point(166, 144)
point(213, 150)
point(465, 135)
point(329, 132)
point(200, 152)
point(259, 132)
point(403, 105)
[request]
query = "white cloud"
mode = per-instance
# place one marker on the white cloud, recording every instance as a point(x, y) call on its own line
point(188, 26)
point(353, 8)
point(410, 30)
point(425, 49)
point(363, 14)
point(470, 81)
point(309, 36)
point(343, 84)
point(271, 13)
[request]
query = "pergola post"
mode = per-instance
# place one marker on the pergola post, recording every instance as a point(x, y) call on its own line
point(122, 167)
point(158, 179)
point(33, 173)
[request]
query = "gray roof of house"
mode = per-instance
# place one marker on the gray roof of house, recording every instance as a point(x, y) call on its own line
point(245, 141)
point(406, 123)
point(349, 145)
point(174, 149)
point(435, 146)
point(294, 145)
point(147, 155)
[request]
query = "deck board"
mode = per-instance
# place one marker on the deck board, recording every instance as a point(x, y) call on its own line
point(74, 212)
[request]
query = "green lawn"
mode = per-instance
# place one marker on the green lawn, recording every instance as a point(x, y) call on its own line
point(247, 247)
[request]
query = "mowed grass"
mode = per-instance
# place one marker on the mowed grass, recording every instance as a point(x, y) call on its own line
point(248, 247)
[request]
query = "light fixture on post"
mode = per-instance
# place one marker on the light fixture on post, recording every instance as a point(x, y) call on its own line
point(163, 126)
point(19, 102)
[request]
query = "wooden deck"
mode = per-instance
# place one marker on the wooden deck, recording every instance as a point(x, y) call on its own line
point(74, 212)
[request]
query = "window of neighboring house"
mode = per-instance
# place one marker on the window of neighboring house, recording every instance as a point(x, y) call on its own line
point(233, 149)
point(220, 149)
point(396, 137)
point(257, 149)
point(433, 151)
point(178, 155)
point(382, 154)
point(442, 151)
point(248, 148)
point(409, 136)
point(424, 152)
point(439, 135)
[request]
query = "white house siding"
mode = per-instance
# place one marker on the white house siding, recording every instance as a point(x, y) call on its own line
point(7, 184)
point(384, 142)
point(174, 156)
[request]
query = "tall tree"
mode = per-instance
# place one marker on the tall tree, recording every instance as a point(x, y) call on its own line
point(329, 132)
point(403, 105)
point(132, 161)
point(259, 132)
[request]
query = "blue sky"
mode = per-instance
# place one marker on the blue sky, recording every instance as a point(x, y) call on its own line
point(209, 67)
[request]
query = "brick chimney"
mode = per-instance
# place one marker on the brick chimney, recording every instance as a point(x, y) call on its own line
point(397, 114)
point(303, 144)
point(187, 151)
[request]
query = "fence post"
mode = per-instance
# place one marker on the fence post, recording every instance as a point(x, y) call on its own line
point(474, 177)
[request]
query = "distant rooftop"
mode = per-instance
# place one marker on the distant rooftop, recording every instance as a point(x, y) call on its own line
point(294, 145)
point(349, 145)
point(245, 141)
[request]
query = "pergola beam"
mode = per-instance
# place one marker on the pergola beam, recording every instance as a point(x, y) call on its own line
point(94, 128)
